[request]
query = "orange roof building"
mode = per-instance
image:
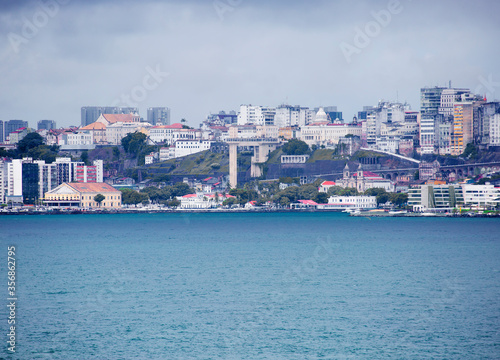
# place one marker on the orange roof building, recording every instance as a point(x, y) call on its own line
point(82, 195)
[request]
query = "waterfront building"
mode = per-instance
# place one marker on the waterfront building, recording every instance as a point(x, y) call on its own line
point(202, 200)
point(349, 202)
point(82, 195)
point(481, 196)
point(3, 180)
point(15, 178)
point(434, 196)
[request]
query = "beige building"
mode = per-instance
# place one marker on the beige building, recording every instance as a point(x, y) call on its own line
point(98, 130)
point(82, 195)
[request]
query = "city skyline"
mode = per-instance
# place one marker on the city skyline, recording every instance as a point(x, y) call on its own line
point(201, 57)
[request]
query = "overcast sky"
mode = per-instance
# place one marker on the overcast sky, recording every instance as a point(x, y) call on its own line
point(198, 57)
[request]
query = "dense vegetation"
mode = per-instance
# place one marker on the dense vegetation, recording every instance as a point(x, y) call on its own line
point(32, 145)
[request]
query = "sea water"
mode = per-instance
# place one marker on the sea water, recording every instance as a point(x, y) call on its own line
point(252, 286)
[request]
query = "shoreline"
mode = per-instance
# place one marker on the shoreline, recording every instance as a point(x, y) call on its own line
point(366, 214)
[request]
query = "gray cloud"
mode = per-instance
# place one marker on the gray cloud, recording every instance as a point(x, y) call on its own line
point(92, 52)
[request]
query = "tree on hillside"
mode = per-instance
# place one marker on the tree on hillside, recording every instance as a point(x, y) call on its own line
point(470, 151)
point(321, 198)
point(99, 199)
point(133, 143)
point(85, 157)
point(30, 141)
point(295, 147)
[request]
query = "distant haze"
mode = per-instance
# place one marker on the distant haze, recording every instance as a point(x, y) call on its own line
point(59, 55)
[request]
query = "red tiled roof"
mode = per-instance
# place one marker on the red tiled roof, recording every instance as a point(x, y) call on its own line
point(189, 196)
point(113, 118)
point(173, 126)
point(328, 183)
point(308, 202)
point(94, 126)
point(93, 187)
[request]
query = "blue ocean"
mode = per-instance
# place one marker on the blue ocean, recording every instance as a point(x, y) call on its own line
point(252, 286)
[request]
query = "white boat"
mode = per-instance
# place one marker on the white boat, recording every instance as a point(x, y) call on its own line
point(428, 214)
point(398, 212)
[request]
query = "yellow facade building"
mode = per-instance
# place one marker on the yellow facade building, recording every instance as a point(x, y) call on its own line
point(82, 195)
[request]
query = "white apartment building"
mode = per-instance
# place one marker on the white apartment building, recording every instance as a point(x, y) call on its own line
point(481, 195)
point(448, 98)
point(256, 115)
point(495, 130)
point(188, 147)
point(3, 181)
point(388, 143)
point(15, 178)
point(427, 134)
point(287, 115)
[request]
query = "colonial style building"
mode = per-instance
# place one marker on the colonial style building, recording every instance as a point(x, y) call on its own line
point(82, 195)
point(363, 180)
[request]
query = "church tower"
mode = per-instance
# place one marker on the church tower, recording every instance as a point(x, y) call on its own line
point(347, 174)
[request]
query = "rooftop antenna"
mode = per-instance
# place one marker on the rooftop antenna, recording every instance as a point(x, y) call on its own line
point(397, 96)
point(449, 85)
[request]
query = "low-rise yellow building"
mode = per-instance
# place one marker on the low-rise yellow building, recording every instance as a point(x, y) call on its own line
point(82, 195)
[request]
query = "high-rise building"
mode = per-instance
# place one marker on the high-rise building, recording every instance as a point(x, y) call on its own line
point(256, 115)
point(159, 116)
point(12, 125)
point(430, 100)
point(3, 180)
point(448, 98)
point(15, 180)
point(488, 111)
point(287, 115)
point(2, 137)
point(90, 114)
point(46, 125)
point(30, 176)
